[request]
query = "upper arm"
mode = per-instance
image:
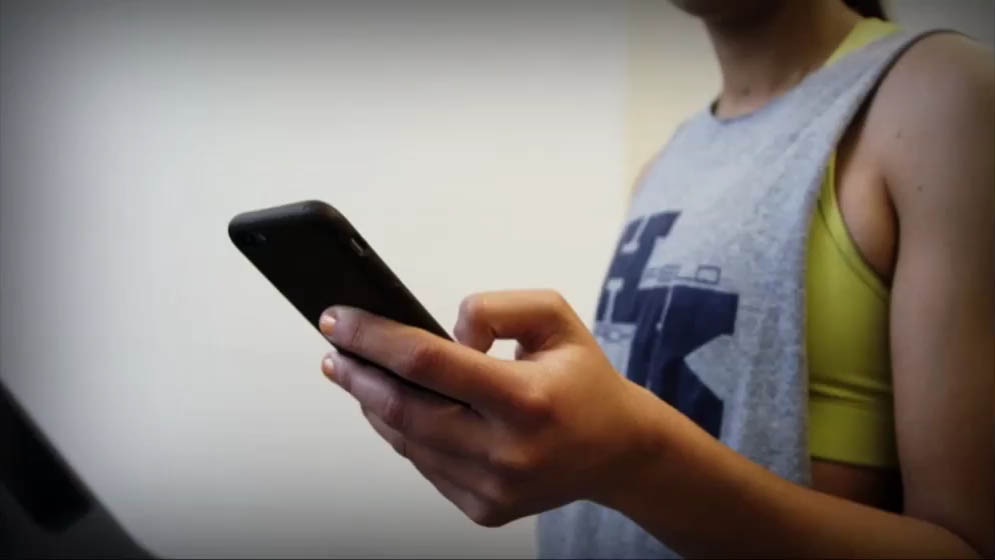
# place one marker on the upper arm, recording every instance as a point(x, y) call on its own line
point(936, 131)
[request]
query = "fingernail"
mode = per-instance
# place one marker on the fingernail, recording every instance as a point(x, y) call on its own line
point(328, 367)
point(325, 324)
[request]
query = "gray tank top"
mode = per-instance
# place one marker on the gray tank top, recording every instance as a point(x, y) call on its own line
point(704, 301)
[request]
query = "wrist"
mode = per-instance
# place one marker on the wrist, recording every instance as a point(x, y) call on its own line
point(652, 436)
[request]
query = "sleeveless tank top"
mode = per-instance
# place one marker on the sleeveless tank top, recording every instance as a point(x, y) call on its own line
point(704, 302)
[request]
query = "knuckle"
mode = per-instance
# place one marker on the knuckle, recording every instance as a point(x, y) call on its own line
point(422, 357)
point(556, 300)
point(498, 491)
point(353, 332)
point(394, 411)
point(486, 515)
point(512, 462)
point(536, 404)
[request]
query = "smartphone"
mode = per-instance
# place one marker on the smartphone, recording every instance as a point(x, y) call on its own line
point(316, 259)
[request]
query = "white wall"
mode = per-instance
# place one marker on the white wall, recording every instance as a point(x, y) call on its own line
point(972, 17)
point(477, 146)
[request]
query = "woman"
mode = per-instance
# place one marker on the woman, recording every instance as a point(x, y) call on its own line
point(801, 304)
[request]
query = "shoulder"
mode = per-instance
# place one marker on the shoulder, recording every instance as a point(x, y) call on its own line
point(940, 76)
point(933, 110)
point(943, 54)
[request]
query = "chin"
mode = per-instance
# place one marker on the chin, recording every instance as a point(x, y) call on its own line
point(726, 10)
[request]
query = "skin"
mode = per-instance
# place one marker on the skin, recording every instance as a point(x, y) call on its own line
point(502, 439)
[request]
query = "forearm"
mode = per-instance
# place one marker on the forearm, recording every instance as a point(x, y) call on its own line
point(703, 499)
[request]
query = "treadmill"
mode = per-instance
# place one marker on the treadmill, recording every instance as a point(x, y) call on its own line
point(46, 511)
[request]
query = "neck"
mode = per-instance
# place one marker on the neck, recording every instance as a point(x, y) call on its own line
point(768, 53)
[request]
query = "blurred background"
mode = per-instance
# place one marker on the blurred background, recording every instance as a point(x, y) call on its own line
point(476, 145)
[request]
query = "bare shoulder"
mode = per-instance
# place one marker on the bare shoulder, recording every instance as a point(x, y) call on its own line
point(934, 111)
point(944, 54)
point(940, 76)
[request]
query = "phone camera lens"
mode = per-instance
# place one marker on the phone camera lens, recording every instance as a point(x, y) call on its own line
point(253, 239)
point(357, 247)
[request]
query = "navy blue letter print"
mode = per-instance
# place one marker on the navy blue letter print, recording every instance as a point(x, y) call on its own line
point(671, 322)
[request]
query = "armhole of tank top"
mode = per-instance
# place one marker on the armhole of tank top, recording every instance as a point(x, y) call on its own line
point(864, 32)
point(839, 233)
point(828, 202)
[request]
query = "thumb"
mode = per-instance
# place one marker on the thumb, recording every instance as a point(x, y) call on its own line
point(537, 319)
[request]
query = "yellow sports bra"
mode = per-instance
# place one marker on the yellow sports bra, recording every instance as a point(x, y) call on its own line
point(850, 398)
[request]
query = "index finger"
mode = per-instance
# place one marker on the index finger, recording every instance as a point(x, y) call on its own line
point(425, 359)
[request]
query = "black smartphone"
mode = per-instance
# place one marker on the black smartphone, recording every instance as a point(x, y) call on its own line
point(316, 259)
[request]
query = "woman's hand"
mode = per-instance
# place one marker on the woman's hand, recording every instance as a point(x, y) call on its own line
point(513, 438)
